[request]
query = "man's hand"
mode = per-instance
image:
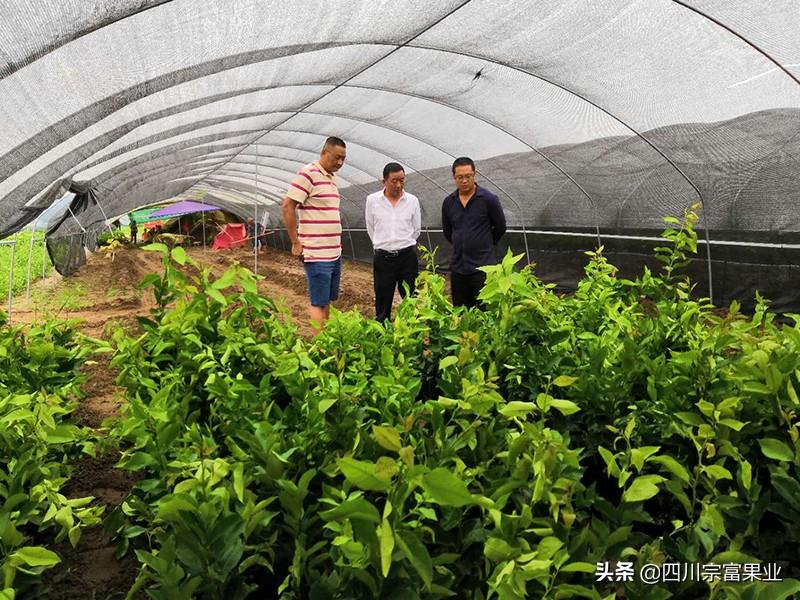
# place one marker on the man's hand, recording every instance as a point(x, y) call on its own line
point(297, 249)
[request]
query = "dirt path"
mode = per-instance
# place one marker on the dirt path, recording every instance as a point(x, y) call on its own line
point(102, 293)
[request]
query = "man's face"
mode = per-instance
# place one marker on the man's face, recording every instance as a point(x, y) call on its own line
point(394, 184)
point(464, 176)
point(332, 158)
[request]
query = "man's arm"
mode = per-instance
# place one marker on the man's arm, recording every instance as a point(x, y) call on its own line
point(417, 223)
point(497, 219)
point(447, 226)
point(289, 209)
point(369, 218)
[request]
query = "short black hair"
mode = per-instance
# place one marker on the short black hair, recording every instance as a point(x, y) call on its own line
point(392, 167)
point(334, 141)
point(463, 161)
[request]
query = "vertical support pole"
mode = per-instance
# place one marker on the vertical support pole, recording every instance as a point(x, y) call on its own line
point(525, 239)
point(11, 275)
point(30, 260)
point(255, 233)
point(204, 231)
point(44, 256)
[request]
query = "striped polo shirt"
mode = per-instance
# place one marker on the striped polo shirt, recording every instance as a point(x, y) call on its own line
point(319, 224)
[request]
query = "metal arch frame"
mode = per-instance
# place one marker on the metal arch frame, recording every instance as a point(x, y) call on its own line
point(359, 144)
point(356, 74)
point(735, 201)
point(605, 152)
point(570, 92)
point(394, 49)
point(491, 124)
point(33, 57)
point(735, 33)
point(167, 150)
point(178, 109)
point(747, 41)
point(179, 130)
point(192, 144)
point(625, 200)
point(609, 114)
point(69, 126)
point(149, 172)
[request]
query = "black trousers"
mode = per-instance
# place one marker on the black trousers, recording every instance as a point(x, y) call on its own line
point(465, 288)
point(390, 271)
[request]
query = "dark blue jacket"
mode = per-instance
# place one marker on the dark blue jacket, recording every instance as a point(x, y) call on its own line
point(473, 230)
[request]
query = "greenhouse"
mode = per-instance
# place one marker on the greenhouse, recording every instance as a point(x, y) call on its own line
point(617, 418)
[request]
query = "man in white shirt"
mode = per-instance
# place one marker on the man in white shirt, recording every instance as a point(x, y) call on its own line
point(393, 224)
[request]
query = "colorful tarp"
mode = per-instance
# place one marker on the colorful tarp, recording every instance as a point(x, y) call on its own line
point(185, 207)
point(144, 215)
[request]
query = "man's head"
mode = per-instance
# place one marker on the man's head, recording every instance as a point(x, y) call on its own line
point(394, 179)
point(464, 174)
point(333, 154)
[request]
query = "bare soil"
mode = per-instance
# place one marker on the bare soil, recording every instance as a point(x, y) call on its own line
point(105, 292)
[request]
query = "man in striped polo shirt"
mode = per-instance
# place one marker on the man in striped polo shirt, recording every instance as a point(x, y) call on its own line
point(317, 233)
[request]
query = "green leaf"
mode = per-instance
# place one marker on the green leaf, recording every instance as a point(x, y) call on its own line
point(325, 404)
point(756, 387)
point(362, 474)
point(179, 255)
point(35, 556)
point(746, 471)
point(690, 418)
point(497, 550)
point(417, 555)
point(447, 361)
point(579, 567)
point(386, 540)
point(407, 455)
point(353, 508)
point(717, 472)
point(227, 279)
point(216, 295)
point(385, 468)
point(642, 488)
point(673, 466)
point(791, 391)
point(446, 489)
point(776, 449)
point(157, 247)
point(771, 590)
point(516, 408)
point(138, 461)
point(564, 380)
point(734, 424)
point(238, 481)
point(640, 455)
point(387, 437)
point(565, 407)
point(786, 485)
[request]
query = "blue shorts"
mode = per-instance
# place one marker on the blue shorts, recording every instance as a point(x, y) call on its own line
point(323, 280)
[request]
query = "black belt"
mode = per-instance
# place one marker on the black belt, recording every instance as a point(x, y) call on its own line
point(394, 253)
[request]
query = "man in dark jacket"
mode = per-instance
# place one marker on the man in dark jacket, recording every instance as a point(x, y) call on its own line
point(473, 222)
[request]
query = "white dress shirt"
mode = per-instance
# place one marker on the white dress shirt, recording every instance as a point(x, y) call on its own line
point(393, 227)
